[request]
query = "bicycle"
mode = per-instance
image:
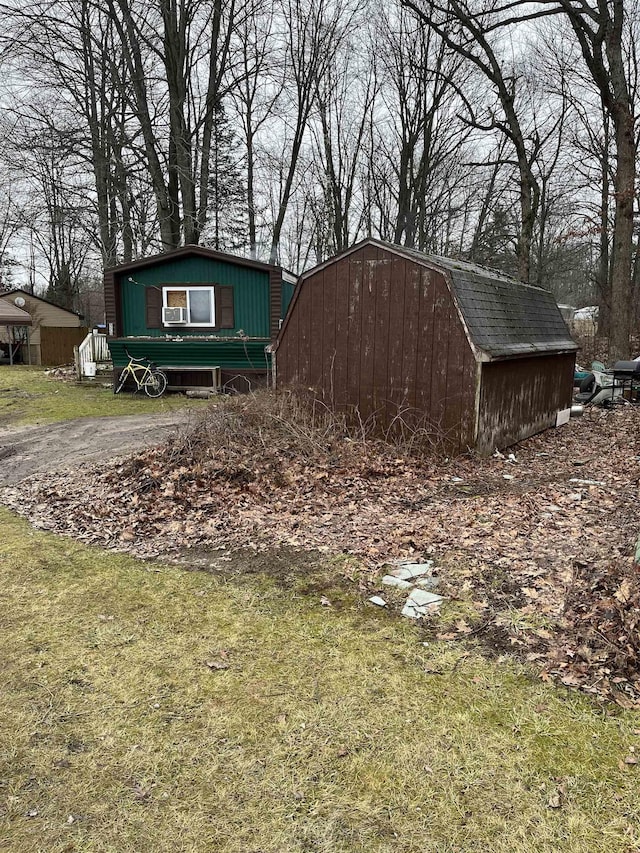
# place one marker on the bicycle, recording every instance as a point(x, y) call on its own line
point(146, 375)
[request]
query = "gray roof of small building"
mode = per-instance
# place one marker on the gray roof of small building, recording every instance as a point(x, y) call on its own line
point(504, 316)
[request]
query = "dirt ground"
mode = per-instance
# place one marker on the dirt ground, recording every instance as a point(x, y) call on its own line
point(71, 444)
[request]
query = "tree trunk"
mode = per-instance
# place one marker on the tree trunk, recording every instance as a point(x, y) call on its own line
point(603, 279)
point(623, 121)
point(621, 255)
point(133, 54)
point(251, 200)
point(176, 51)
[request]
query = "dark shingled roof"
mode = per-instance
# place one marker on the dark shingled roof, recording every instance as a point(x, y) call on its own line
point(504, 316)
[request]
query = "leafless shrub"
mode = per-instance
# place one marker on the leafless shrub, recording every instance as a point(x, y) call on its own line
point(415, 434)
point(262, 433)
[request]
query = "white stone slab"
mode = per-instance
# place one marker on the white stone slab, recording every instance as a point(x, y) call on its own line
point(407, 571)
point(422, 597)
point(428, 582)
point(390, 580)
point(420, 603)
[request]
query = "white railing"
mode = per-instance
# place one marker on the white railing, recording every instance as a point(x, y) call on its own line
point(92, 351)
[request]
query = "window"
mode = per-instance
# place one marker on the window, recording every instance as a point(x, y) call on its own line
point(197, 304)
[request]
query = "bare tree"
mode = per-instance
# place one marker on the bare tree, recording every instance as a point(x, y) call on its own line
point(423, 137)
point(70, 55)
point(588, 150)
point(345, 97)
point(189, 40)
point(600, 29)
point(314, 31)
point(467, 31)
point(9, 228)
point(56, 212)
point(259, 81)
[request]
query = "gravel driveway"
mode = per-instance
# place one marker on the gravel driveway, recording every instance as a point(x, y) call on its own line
point(27, 450)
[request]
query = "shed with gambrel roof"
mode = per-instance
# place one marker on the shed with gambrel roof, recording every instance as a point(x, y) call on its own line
point(404, 340)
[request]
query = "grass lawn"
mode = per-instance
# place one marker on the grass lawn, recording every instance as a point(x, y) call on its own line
point(28, 396)
point(147, 708)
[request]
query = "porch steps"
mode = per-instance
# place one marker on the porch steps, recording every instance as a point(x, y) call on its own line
point(92, 357)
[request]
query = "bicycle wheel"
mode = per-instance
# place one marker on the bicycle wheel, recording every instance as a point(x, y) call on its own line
point(155, 384)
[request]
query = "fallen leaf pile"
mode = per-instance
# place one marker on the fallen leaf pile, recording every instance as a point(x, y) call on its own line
point(537, 542)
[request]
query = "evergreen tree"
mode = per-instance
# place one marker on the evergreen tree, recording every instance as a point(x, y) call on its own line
point(7, 282)
point(496, 244)
point(227, 226)
point(62, 289)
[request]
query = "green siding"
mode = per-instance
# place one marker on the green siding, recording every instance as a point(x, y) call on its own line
point(250, 295)
point(229, 355)
point(287, 293)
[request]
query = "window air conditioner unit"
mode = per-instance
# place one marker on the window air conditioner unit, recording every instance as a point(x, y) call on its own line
point(174, 315)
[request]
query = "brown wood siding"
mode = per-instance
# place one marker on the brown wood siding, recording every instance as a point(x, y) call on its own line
point(411, 333)
point(381, 342)
point(424, 343)
point(377, 334)
point(366, 394)
point(334, 385)
point(470, 383)
point(56, 344)
point(440, 351)
point(327, 361)
point(304, 328)
point(521, 397)
point(110, 301)
point(453, 412)
point(354, 330)
point(392, 393)
point(112, 306)
point(316, 311)
point(275, 301)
